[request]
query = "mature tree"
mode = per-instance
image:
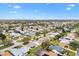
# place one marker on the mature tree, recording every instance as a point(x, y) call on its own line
point(2, 37)
point(45, 32)
point(59, 36)
point(46, 44)
point(26, 39)
point(77, 33)
point(9, 27)
point(8, 42)
point(77, 25)
point(35, 38)
point(36, 28)
point(22, 27)
point(1, 29)
point(37, 33)
point(74, 44)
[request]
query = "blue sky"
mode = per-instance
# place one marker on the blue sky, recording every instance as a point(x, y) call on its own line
point(39, 11)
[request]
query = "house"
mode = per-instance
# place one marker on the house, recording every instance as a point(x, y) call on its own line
point(1, 44)
point(49, 53)
point(57, 49)
point(53, 34)
point(15, 34)
point(7, 53)
point(77, 52)
point(64, 42)
point(45, 53)
point(30, 33)
point(20, 52)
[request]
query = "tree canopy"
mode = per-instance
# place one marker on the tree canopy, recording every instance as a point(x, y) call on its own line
point(2, 36)
point(74, 44)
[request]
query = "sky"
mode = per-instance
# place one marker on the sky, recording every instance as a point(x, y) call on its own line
point(39, 11)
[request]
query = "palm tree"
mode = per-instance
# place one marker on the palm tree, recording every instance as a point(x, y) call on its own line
point(45, 32)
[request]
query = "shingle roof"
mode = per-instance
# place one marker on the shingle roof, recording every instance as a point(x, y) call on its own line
point(65, 40)
point(77, 52)
point(57, 48)
point(20, 52)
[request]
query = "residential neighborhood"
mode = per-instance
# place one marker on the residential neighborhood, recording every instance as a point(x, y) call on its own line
point(39, 38)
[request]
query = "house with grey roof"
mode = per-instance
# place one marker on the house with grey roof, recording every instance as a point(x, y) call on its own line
point(1, 44)
point(65, 40)
point(77, 54)
point(57, 49)
point(20, 52)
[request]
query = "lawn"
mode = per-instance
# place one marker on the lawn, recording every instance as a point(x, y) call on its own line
point(3, 47)
point(69, 53)
point(8, 36)
point(72, 48)
point(55, 42)
point(33, 51)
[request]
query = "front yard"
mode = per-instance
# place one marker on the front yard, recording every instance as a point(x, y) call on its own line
point(33, 51)
point(55, 42)
point(68, 53)
point(6, 46)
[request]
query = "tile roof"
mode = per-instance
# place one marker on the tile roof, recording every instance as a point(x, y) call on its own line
point(7, 54)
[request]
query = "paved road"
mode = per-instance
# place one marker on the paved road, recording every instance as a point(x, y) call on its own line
point(31, 44)
point(15, 44)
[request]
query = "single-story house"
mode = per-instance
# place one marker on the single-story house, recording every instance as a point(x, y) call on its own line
point(1, 44)
point(7, 53)
point(15, 34)
point(45, 53)
point(77, 52)
point(49, 53)
point(64, 42)
point(20, 52)
point(57, 49)
point(30, 33)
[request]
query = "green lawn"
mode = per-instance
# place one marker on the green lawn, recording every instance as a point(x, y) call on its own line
point(33, 51)
point(55, 42)
point(8, 36)
point(73, 48)
point(69, 53)
point(3, 47)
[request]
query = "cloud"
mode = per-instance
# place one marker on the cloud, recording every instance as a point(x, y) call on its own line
point(48, 3)
point(10, 5)
point(35, 10)
point(16, 6)
point(13, 12)
point(71, 5)
point(68, 8)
